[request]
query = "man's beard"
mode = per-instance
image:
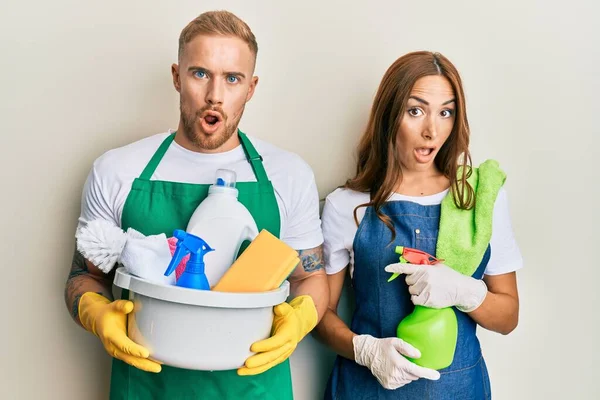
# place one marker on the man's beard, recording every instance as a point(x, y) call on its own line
point(194, 134)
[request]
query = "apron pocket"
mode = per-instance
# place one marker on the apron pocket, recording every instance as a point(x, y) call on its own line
point(470, 383)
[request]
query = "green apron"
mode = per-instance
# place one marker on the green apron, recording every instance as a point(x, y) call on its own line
point(155, 207)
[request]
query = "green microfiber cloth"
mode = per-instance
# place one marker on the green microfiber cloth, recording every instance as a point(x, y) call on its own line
point(464, 235)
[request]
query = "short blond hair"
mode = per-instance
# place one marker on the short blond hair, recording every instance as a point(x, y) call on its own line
point(222, 23)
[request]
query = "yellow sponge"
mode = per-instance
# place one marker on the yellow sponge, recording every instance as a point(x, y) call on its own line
point(263, 266)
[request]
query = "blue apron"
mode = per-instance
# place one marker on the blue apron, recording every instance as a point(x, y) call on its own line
point(380, 305)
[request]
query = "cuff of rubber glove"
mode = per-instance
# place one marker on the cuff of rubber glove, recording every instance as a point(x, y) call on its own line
point(475, 297)
point(306, 308)
point(359, 342)
point(87, 300)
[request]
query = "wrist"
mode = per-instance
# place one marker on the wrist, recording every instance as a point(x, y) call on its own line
point(87, 303)
point(474, 296)
point(307, 310)
point(92, 298)
point(359, 342)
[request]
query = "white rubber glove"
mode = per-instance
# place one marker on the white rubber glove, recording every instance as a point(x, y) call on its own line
point(384, 358)
point(439, 286)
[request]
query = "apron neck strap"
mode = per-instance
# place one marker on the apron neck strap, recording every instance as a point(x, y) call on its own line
point(254, 158)
point(158, 155)
point(252, 155)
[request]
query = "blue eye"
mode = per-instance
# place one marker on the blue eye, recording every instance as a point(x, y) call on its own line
point(232, 79)
point(200, 74)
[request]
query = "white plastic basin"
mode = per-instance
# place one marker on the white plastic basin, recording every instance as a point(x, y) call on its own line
point(197, 329)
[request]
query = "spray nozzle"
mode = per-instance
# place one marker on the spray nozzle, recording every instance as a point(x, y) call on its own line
point(193, 277)
point(413, 256)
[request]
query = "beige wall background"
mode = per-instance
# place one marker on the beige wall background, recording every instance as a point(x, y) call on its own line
point(79, 78)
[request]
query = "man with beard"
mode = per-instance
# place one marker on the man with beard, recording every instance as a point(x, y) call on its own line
point(154, 185)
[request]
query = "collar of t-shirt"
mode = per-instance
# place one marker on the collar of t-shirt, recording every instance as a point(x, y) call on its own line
point(235, 155)
point(430, 200)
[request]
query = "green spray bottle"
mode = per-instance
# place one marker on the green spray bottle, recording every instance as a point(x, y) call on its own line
point(433, 331)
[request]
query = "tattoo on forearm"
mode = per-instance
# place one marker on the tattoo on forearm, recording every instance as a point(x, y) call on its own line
point(74, 283)
point(80, 281)
point(312, 259)
point(78, 266)
point(75, 307)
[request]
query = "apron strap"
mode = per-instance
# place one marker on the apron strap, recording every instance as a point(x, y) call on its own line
point(254, 158)
point(252, 155)
point(158, 155)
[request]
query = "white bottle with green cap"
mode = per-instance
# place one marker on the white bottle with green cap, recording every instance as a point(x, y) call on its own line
point(224, 222)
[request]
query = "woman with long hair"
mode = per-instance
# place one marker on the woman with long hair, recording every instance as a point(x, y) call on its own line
point(416, 192)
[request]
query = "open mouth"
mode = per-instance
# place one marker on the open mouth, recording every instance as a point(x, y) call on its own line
point(424, 151)
point(424, 154)
point(211, 121)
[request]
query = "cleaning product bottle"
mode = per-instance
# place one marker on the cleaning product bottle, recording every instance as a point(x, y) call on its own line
point(193, 277)
point(433, 331)
point(224, 222)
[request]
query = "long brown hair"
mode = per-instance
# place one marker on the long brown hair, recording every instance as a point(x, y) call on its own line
point(378, 170)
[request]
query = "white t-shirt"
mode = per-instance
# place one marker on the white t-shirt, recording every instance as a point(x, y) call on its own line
point(109, 182)
point(339, 230)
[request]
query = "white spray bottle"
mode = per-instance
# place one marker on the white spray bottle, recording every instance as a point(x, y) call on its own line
point(224, 222)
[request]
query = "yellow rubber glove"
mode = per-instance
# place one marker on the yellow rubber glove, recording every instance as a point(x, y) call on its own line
point(107, 320)
point(292, 322)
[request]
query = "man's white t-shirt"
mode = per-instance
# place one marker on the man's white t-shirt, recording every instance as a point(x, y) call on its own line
point(339, 230)
point(112, 174)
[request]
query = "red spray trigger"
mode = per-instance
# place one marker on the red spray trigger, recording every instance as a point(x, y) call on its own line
point(414, 256)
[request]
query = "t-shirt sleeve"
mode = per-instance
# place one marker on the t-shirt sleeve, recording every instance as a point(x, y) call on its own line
point(303, 230)
point(335, 253)
point(95, 201)
point(506, 256)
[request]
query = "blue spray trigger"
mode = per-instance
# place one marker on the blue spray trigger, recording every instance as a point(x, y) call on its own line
point(193, 277)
